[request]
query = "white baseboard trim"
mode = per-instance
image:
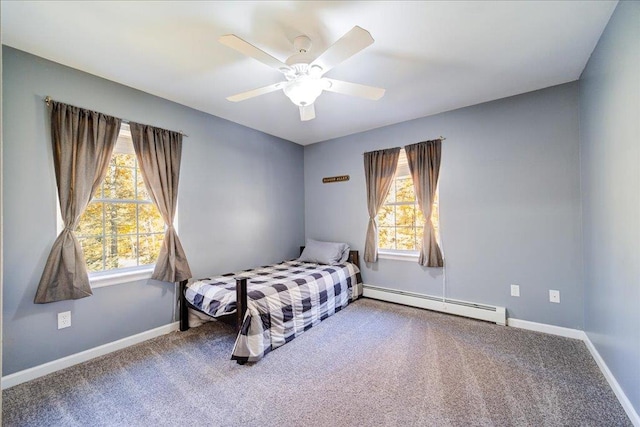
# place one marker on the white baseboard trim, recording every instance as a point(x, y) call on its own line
point(622, 397)
point(459, 308)
point(547, 329)
point(56, 365)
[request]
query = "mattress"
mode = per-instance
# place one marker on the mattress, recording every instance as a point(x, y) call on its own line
point(283, 301)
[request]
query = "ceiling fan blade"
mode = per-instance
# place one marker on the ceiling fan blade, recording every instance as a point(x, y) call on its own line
point(347, 46)
point(255, 92)
point(308, 112)
point(354, 89)
point(235, 42)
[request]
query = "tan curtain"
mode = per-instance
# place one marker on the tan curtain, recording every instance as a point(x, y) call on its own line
point(424, 164)
point(379, 171)
point(82, 145)
point(159, 152)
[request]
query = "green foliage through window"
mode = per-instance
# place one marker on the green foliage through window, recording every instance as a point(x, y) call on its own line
point(121, 227)
point(400, 220)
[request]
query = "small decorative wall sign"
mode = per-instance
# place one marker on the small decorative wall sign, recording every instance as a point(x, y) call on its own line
point(340, 178)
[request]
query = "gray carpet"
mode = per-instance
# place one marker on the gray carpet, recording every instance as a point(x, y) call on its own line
point(374, 363)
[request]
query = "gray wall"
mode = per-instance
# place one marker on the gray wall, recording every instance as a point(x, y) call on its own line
point(610, 157)
point(509, 203)
point(240, 204)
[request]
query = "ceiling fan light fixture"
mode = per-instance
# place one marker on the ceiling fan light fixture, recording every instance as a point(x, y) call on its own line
point(304, 71)
point(304, 90)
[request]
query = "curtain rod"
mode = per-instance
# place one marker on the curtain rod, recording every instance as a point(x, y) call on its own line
point(48, 100)
point(441, 138)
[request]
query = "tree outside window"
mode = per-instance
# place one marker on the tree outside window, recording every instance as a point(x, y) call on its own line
point(400, 221)
point(121, 227)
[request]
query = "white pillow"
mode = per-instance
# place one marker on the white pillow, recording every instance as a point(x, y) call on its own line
point(324, 252)
point(345, 252)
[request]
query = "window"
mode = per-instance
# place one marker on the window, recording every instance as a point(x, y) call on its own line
point(121, 229)
point(400, 221)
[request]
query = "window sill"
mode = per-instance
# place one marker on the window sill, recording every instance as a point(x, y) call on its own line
point(399, 256)
point(99, 280)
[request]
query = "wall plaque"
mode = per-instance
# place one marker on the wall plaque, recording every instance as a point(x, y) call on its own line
point(340, 178)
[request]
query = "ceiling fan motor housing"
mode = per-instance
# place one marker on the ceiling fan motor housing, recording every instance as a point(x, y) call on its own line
point(302, 44)
point(299, 62)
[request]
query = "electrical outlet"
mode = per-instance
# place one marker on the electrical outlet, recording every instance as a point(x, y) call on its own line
point(554, 296)
point(64, 319)
point(515, 290)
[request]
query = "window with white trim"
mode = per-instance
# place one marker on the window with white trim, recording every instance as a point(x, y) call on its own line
point(121, 229)
point(400, 221)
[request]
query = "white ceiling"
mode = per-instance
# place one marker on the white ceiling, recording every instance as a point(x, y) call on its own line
point(429, 56)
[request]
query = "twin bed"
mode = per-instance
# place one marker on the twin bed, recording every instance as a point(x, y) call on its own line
point(271, 305)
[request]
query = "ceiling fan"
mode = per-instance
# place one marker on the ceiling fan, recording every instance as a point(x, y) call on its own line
point(304, 74)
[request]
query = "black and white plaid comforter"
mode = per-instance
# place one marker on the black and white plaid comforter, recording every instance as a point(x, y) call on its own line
point(283, 301)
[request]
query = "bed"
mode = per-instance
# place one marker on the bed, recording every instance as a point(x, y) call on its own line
point(271, 305)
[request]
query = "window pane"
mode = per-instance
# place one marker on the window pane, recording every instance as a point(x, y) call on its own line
point(125, 160)
point(125, 185)
point(111, 253)
point(386, 216)
point(120, 180)
point(386, 238)
point(149, 219)
point(150, 248)
point(92, 249)
point(406, 238)
point(109, 183)
point(127, 251)
point(121, 252)
point(120, 218)
point(405, 215)
point(404, 190)
point(91, 221)
point(125, 175)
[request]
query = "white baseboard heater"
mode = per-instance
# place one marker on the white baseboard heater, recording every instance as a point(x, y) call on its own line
point(473, 310)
